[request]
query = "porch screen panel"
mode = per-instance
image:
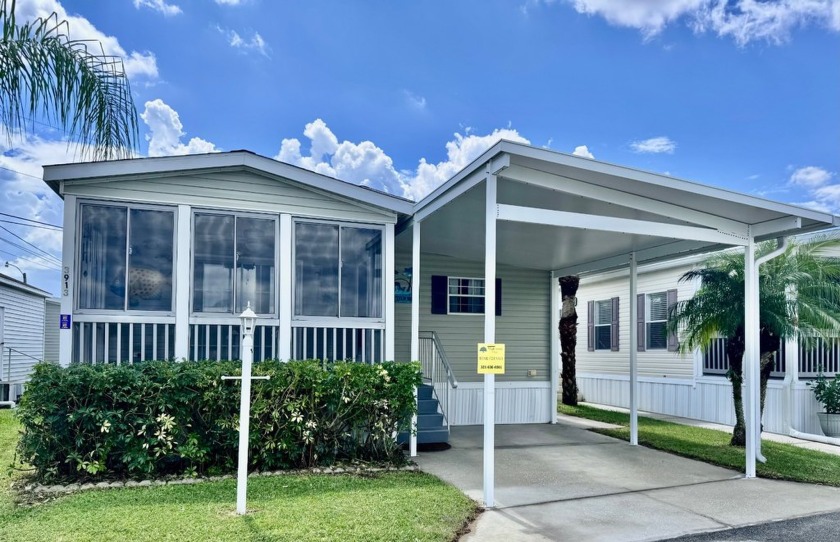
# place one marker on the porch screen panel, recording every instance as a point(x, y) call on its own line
point(150, 256)
point(102, 275)
point(361, 273)
point(213, 263)
point(316, 269)
point(255, 264)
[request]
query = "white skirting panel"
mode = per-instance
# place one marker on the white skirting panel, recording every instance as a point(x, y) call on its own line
point(516, 402)
point(708, 399)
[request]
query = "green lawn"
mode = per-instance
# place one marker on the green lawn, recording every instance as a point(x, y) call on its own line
point(388, 506)
point(784, 461)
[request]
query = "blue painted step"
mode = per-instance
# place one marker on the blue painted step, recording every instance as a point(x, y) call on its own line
point(430, 428)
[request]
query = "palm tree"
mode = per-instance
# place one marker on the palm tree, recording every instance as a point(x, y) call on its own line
point(44, 74)
point(799, 297)
point(568, 337)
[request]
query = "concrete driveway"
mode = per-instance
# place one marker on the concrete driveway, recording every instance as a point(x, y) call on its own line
point(559, 482)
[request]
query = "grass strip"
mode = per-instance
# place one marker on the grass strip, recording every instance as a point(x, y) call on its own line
point(382, 506)
point(784, 461)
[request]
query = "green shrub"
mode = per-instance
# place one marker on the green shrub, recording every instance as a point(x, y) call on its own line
point(159, 418)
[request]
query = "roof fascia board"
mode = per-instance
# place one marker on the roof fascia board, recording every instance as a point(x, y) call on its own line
point(656, 179)
point(533, 215)
point(494, 165)
point(564, 184)
point(667, 251)
point(778, 226)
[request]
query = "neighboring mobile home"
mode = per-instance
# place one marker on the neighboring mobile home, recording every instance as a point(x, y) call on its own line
point(24, 333)
point(161, 255)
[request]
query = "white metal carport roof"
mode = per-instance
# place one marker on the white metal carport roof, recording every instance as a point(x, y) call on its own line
point(530, 207)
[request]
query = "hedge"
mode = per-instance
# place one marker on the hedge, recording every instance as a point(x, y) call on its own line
point(159, 418)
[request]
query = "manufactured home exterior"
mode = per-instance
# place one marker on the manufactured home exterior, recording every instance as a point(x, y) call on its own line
point(24, 332)
point(162, 254)
point(691, 385)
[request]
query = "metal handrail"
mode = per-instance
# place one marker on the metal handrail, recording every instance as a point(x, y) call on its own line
point(441, 355)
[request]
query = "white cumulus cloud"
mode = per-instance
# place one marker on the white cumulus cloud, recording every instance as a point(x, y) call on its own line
point(158, 5)
point(811, 176)
point(654, 145)
point(166, 131)
point(741, 20)
point(367, 164)
point(138, 65)
point(583, 150)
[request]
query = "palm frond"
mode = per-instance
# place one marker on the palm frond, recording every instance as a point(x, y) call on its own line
point(44, 74)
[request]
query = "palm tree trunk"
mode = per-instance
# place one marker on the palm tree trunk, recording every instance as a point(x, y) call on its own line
point(735, 354)
point(568, 338)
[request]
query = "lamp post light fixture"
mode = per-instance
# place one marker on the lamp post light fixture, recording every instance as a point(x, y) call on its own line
point(248, 319)
point(18, 268)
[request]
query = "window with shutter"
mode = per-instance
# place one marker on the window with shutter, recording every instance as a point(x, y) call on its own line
point(603, 321)
point(656, 323)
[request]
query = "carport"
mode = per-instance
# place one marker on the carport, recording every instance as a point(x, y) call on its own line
point(564, 214)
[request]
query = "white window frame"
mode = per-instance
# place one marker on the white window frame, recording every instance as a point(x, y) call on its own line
point(649, 321)
point(608, 302)
point(236, 214)
point(77, 287)
point(450, 295)
point(330, 320)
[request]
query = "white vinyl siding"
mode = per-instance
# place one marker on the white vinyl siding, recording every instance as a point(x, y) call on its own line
point(653, 363)
point(243, 191)
point(23, 331)
point(524, 326)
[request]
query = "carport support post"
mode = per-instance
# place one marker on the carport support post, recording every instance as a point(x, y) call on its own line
point(415, 322)
point(751, 339)
point(489, 337)
point(634, 348)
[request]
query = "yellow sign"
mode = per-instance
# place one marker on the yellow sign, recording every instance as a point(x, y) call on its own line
point(491, 359)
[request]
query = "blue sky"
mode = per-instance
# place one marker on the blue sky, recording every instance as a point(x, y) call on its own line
point(742, 94)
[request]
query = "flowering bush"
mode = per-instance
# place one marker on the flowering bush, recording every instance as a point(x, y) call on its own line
point(159, 418)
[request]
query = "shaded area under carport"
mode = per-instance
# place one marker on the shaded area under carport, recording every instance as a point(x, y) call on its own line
point(558, 482)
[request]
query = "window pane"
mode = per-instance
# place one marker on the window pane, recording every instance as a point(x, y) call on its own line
point(604, 313)
point(150, 260)
point(466, 304)
point(213, 263)
point(316, 269)
point(361, 273)
point(602, 338)
point(255, 264)
point(658, 304)
point(102, 258)
point(466, 286)
point(656, 335)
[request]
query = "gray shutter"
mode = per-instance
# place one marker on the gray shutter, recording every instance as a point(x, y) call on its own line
point(673, 340)
point(590, 326)
point(641, 336)
point(614, 326)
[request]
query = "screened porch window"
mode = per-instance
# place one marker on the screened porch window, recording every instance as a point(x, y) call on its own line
point(338, 271)
point(126, 256)
point(233, 263)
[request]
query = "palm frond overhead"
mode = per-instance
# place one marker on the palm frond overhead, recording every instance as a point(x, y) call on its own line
point(71, 83)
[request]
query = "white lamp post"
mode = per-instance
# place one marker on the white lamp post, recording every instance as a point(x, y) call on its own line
point(249, 320)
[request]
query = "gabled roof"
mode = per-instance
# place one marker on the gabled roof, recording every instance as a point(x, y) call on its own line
point(9, 282)
point(231, 160)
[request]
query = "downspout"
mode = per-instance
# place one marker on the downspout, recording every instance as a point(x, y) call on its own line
point(781, 246)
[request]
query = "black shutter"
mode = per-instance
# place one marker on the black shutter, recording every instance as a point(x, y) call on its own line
point(641, 338)
point(614, 326)
point(440, 297)
point(673, 340)
point(498, 297)
point(590, 326)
